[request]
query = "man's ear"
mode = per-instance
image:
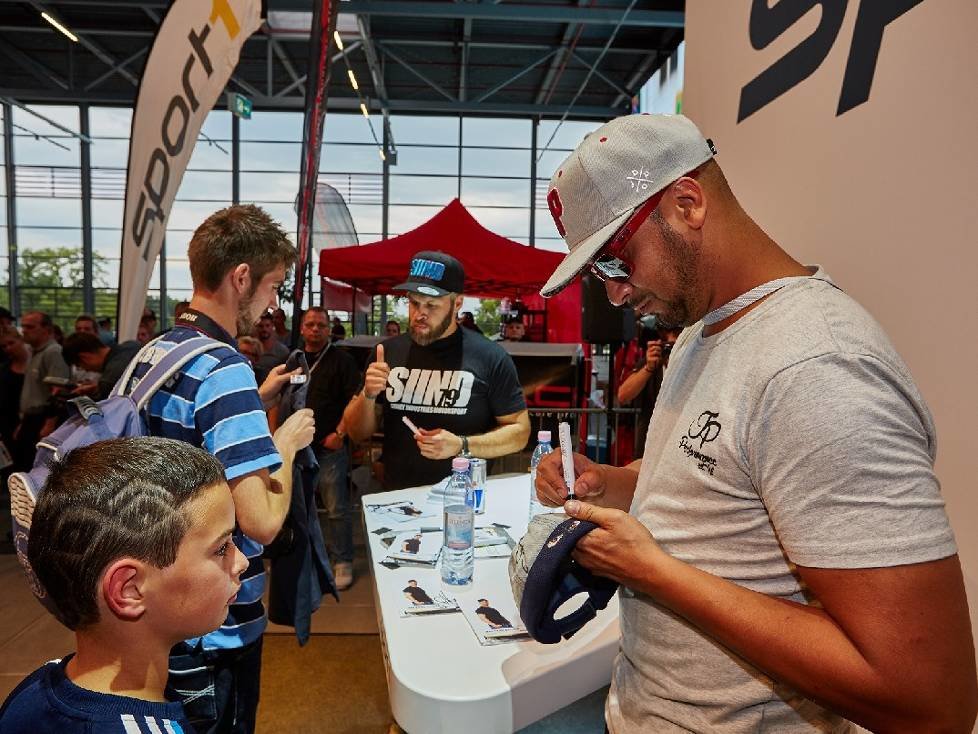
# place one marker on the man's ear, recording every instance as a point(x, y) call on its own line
point(122, 588)
point(690, 200)
point(458, 302)
point(241, 278)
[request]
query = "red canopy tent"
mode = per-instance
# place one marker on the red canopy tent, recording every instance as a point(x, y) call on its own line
point(495, 266)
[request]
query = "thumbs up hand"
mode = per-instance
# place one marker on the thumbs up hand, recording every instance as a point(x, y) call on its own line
point(375, 381)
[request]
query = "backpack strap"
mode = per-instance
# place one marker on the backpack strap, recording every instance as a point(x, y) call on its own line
point(169, 365)
point(121, 386)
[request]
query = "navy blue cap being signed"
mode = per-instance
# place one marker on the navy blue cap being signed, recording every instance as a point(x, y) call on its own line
point(434, 274)
point(544, 576)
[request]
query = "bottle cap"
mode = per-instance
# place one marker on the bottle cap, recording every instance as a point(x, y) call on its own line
point(543, 436)
point(460, 463)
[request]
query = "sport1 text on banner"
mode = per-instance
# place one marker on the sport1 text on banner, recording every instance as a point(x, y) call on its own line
point(194, 53)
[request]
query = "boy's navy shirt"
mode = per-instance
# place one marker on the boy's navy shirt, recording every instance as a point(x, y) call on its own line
point(47, 701)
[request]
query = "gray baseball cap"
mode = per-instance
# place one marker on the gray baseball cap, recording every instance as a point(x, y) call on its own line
point(615, 170)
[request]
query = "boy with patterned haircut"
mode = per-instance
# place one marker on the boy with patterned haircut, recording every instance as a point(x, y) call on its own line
point(131, 538)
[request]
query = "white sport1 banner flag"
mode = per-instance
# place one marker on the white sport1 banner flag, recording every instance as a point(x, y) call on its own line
point(195, 51)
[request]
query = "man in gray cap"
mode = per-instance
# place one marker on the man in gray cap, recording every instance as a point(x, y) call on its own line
point(458, 389)
point(785, 559)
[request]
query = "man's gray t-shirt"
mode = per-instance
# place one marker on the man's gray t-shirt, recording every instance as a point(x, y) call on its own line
point(273, 356)
point(794, 436)
point(45, 362)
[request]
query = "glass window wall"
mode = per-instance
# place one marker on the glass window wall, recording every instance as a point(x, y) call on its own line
point(486, 162)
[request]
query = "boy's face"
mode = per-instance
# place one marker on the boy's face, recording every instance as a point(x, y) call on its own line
point(190, 597)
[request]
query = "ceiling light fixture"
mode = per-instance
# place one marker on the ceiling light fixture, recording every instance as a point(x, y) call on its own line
point(60, 27)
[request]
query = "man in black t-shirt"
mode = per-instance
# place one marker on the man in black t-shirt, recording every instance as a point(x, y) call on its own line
point(86, 351)
point(456, 386)
point(412, 545)
point(416, 594)
point(491, 616)
point(333, 380)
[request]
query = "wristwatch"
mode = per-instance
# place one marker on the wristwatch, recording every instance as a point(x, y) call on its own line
point(465, 445)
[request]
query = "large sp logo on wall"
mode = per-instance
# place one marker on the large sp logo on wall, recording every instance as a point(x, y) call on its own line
point(768, 22)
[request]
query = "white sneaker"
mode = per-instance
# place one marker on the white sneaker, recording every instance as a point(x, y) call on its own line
point(343, 576)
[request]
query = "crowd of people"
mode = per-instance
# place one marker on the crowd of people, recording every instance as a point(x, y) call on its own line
point(785, 559)
point(225, 402)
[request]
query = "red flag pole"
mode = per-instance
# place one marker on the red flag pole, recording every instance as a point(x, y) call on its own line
point(317, 77)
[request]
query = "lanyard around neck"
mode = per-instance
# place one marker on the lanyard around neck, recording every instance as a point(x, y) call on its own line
point(746, 299)
point(322, 353)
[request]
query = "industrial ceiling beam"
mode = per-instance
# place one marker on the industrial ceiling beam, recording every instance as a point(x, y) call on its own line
point(516, 12)
point(283, 58)
point(640, 74)
point(125, 62)
point(380, 87)
point(99, 52)
point(291, 37)
point(606, 79)
point(558, 62)
point(23, 105)
point(343, 104)
point(516, 76)
point(463, 69)
point(36, 68)
point(387, 52)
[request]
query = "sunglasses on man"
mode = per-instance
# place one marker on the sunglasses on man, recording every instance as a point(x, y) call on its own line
point(609, 264)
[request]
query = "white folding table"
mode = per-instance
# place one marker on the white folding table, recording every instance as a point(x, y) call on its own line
point(439, 678)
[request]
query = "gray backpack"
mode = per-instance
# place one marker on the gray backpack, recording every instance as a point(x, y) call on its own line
point(121, 414)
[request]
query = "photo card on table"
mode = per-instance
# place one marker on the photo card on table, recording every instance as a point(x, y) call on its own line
point(416, 546)
point(401, 512)
point(493, 617)
point(421, 597)
point(493, 541)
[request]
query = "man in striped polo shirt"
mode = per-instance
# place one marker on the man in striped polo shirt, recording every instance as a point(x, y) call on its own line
point(238, 259)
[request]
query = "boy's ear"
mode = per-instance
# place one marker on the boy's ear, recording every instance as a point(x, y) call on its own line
point(122, 589)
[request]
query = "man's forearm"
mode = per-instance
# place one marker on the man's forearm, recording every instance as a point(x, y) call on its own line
point(806, 648)
point(499, 441)
point(280, 488)
point(359, 417)
point(633, 385)
point(505, 438)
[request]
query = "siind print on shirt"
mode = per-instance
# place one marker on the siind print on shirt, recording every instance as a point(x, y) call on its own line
point(429, 390)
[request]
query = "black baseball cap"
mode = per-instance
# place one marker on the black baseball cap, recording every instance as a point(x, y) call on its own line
point(544, 576)
point(434, 274)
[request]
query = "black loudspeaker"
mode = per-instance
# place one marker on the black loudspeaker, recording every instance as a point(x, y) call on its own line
point(602, 323)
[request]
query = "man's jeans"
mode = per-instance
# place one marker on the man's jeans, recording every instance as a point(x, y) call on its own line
point(334, 489)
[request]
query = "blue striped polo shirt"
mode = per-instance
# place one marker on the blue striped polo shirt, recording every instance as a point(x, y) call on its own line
point(214, 404)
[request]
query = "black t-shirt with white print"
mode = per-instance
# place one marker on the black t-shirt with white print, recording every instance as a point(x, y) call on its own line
point(460, 383)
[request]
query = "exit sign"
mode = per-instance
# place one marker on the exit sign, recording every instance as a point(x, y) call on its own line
point(239, 105)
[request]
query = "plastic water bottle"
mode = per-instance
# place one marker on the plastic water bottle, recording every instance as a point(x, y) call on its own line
point(457, 556)
point(543, 448)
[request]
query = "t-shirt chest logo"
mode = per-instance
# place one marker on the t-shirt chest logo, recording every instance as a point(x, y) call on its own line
point(702, 430)
point(429, 391)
